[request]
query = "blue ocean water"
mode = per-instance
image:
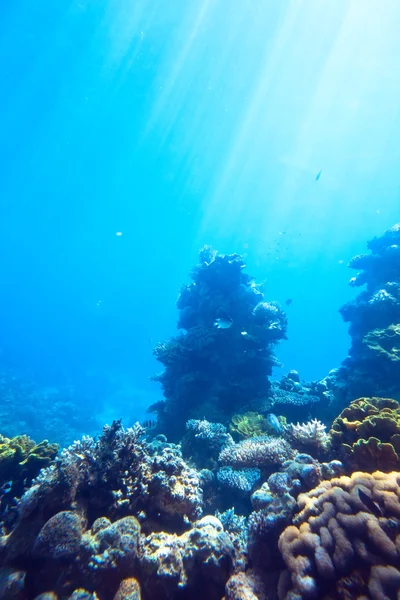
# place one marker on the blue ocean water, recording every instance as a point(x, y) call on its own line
point(133, 133)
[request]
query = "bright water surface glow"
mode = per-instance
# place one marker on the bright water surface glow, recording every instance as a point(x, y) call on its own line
point(178, 124)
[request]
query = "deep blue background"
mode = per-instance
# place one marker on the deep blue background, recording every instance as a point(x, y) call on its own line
point(181, 124)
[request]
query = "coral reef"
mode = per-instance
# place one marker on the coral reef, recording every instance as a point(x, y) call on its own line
point(385, 342)
point(203, 442)
point(249, 424)
point(252, 585)
point(371, 369)
point(238, 482)
point(61, 414)
point(83, 521)
point(366, 434)
point(291, 398)
point(21, 459)
point(221, 361)
point(310, 436)
point(261, 452)
point(200, 561)
point(344, 542)
point(274, 504)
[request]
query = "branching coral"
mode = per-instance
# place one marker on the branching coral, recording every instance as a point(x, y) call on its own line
point(311, 435)
point(345, 541)
point(203, 442)
point(239, 481)
point(259, 452)
point(366, 434)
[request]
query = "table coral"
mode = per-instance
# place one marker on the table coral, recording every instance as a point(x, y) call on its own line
point(345, 540)
point(291, 398)
point(367, 434)
point(264, 451)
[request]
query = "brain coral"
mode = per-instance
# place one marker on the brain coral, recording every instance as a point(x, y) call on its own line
point(367, 434)
point(345, 541)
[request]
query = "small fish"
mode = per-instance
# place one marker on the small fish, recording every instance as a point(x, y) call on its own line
point(288, 301)
point(149, 424)
point(223, 322)
point(318, 175)
point(369, 503)
point(273, 422)
point(249, 336)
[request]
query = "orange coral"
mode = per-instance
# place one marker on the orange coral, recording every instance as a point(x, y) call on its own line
point(345, 541)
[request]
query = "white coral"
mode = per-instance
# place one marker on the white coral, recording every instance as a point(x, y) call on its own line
point(312, 433)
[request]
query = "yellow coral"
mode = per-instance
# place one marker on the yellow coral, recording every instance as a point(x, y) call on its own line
point(21, 458)
point(385, 342)
point(249, 424)
point(367, 434)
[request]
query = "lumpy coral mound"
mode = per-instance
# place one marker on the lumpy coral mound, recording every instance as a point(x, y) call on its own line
point(220, 361)
point(345, 541)
point(367, 434)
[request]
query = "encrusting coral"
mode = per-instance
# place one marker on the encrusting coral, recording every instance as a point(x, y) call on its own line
point(345, 541)
point(366, 434)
